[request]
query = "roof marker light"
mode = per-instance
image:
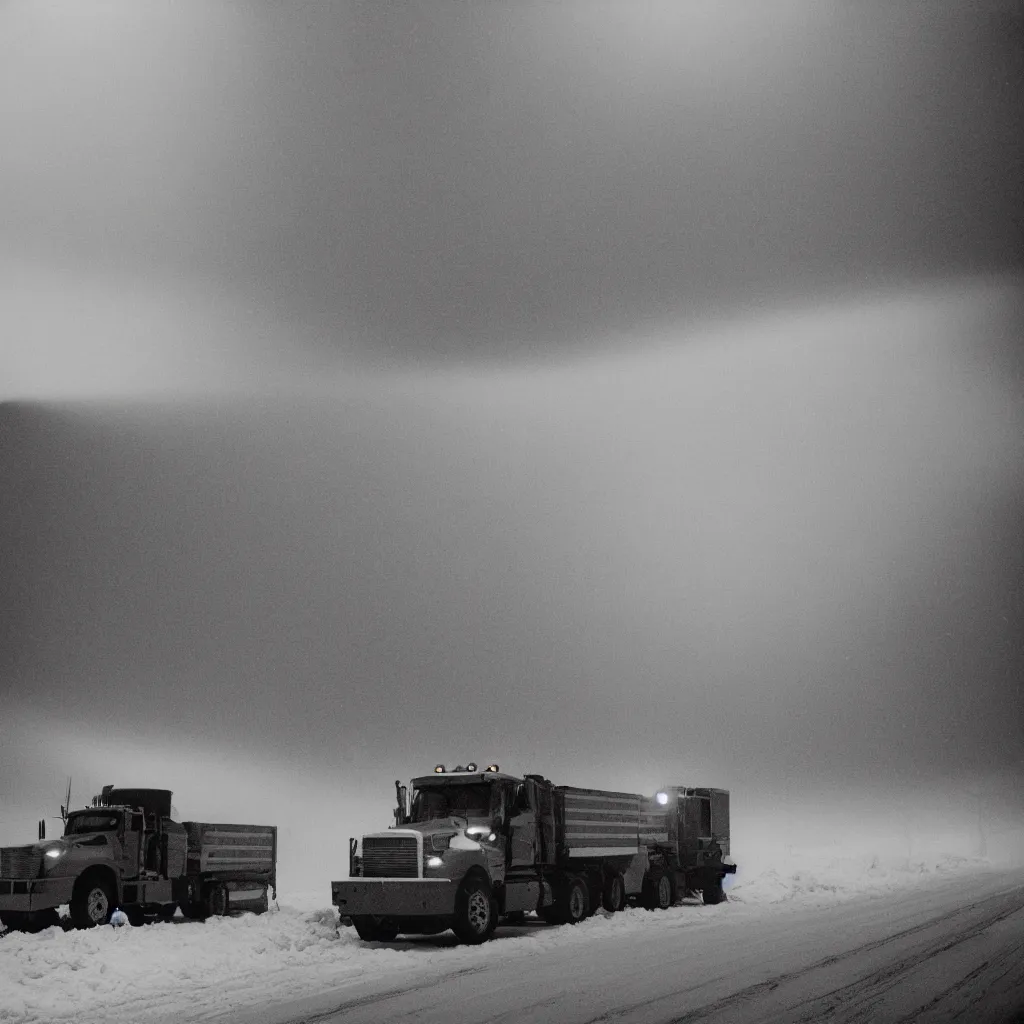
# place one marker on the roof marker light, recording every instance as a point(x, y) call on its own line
point(492, 768)
point(471, 767)
point(439, 769)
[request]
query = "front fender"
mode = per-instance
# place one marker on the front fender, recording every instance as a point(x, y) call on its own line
point(457, 862)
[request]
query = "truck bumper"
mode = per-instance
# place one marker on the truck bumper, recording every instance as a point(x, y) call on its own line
point(395, 897)
point(24, 895)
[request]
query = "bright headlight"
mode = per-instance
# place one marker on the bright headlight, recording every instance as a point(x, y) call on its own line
point(55, 852)
point(662, 798)
point(433, 862)
point(481, 832)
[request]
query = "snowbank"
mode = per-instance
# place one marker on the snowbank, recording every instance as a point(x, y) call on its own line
point(188, 970)
point(809, 882)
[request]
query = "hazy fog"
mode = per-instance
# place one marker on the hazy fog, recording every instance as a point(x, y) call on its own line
point(632, 396)
point(779, 555)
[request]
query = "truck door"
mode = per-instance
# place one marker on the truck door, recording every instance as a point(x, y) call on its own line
point(523, 827)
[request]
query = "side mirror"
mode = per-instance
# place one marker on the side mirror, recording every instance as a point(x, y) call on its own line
point(42, 828)
point(400, 812)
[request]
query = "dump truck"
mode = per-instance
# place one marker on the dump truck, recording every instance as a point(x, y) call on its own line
point(470, 847)
point(126, 851)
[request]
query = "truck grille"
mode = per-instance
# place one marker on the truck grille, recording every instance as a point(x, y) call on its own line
point(20, 862)
point(390, 857)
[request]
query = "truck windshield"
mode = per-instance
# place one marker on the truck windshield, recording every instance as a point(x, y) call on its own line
point(93, 821)
point(465, 799)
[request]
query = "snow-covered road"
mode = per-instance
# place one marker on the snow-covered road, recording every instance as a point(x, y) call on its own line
point(850, 940)
point(952, 951)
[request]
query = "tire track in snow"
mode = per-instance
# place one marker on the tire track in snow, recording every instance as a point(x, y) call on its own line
point(394, 993)
point(856, 1000)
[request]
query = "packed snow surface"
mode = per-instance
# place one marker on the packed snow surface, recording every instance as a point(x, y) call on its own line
point(186, 970)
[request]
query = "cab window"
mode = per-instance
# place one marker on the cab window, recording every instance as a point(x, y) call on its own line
point(80, 824)
point(471, 799)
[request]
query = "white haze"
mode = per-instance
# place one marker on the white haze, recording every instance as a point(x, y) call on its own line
point(863, 429)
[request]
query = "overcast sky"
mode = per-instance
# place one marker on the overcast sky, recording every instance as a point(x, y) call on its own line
point(629, 393)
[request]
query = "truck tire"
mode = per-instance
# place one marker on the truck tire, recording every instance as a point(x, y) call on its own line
point(193, 911)
point(192, 904)
point(92, 901)
point(476, 913)
point(371, 928)
point(613, 899)
point(216, 900)
point(658, 891)
point(135, 914)
point(572, 901)
point(550, 915)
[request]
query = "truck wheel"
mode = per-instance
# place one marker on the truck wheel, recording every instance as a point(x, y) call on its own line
point(92, 902)
point(135, 914)
point(217, 900)
point(371, 928)
point(193, 911)
point(575, 901)
point(657, 891)
point(476, 915)
point(614, 897)
point(713, 892)
point(192, 905)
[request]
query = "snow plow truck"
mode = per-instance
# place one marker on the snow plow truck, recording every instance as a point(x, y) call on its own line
point(125, 851)
point(470, 847)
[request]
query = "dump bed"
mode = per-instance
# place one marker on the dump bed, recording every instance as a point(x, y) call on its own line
point(232, 851)
point(596, 823)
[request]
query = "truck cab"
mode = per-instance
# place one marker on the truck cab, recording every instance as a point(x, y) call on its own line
point(470, 846)
point(125, 850)
point(447, 861)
